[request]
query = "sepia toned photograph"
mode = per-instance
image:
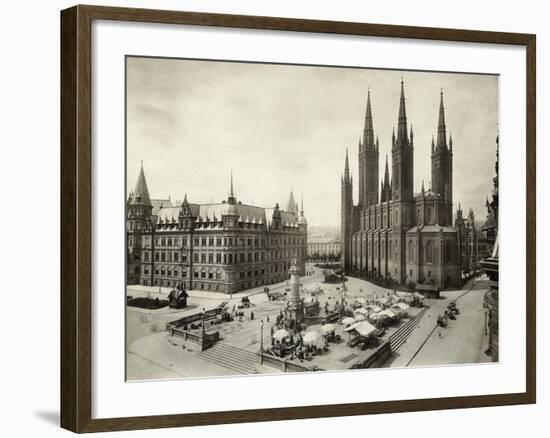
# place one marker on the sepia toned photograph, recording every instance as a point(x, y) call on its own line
point(286, 218)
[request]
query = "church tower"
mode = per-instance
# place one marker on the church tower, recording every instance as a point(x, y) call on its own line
point(385, 185)
point(346, 213)
point(368, 162)
point(402, 156)
point(139, 211)
point(402, 191)
point(442, 167)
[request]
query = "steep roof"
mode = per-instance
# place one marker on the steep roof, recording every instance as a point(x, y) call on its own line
point(160, 203)
point(292, 206)
point(140, 195)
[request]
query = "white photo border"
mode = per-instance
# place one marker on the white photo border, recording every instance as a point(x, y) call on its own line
point(113, 397)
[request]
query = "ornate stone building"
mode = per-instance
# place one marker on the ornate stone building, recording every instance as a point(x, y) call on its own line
point(472, 241)
point(223, 247)
point(491, 266)
point(393, 232)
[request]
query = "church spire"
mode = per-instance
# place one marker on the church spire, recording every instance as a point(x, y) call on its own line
point(402, 138)
point(346, 167)
point(368, 132)
point(387, 173)
point(441, 129)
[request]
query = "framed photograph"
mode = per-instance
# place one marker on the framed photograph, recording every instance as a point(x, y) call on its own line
point(270, 218)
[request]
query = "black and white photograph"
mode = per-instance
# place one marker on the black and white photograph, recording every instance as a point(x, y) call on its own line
point(298, 218)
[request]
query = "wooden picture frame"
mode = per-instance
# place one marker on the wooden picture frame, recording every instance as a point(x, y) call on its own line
point(76, 217)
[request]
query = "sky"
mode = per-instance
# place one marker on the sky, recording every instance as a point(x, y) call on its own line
point(286, 127)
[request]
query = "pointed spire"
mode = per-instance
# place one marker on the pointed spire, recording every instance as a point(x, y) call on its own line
point(368, 131)
point(346, 167)
point(231, 198)
point(387, 173)
point(377, 144)
point(402, 120)
point(451, 141)
point(302, 219)
point(441, 130)
point(291, 204)
point(422, 189)
point(141, 192)
point(433, 144)
point(411, 135)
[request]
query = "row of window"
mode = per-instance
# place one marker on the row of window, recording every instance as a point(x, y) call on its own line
point(219, 241)
point(373, 221)
point(428, 251)
point(168, 256)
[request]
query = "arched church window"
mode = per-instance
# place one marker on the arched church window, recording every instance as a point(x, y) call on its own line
point(396, 257)
point(429, 215)
point(429, 251)
point(411, 251)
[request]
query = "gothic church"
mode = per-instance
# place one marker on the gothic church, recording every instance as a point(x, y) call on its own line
point(393, 232)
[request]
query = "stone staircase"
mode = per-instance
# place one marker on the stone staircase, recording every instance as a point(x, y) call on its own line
point(401, 335)
point(234, 358)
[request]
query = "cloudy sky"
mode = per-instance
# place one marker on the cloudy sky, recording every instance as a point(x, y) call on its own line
point(281, 127)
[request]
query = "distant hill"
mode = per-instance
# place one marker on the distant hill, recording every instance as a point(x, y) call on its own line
point(331, 232)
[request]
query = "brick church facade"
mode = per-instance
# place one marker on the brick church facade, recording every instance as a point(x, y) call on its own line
point(223, 247)
point(393, 232)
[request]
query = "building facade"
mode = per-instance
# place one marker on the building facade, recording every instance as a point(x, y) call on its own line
point(393, 232)
point(323, 247)
point(223, 247)
point(491, 267)
point(472, 242)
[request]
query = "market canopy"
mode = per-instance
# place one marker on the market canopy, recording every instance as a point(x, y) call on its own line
point(362, 310)
point(348, 320)
point(401, 306)
point(328, 328)
point(364, 328)
point(312, 337)
point(383, 314)
point(360, 317)
point(281, 334)
point(374, 308)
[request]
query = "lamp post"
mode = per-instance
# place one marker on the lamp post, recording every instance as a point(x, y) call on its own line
point(261, 342)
